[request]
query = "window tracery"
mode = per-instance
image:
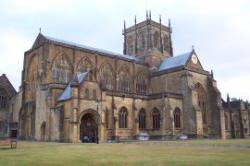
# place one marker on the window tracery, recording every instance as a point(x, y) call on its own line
point(3, 99)
point(177, 118)
point(142, 119)
point(61, 70)
point(85, 65)
point(157, 40)
point(141, 85)
point(166, 43)
point(141, 40)
point(201, 94)
point(130, 45)
point(156, 119)
point(106, 76)
point(123, 114)
point(124, 80)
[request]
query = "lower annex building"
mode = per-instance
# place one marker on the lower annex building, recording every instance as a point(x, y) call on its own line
point(70, 92)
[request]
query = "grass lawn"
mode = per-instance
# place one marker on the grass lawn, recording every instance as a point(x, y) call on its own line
point(195, 152)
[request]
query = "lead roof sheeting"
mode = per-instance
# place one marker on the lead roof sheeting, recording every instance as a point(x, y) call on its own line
point(66, 94)
point(175, 61)
point(131, 57)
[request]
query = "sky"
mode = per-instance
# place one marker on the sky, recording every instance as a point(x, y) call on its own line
point(219, 31)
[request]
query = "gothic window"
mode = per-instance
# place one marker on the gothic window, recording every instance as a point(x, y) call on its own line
point(107, 118)
point(141, 40)
point(156, 119)
point(43, 131)
point(201, 98)
point(123, 115)
point(166, 42)
point(177, 118)
point(1, 126)
point(94, 94)
point(87, 93)
point(3, 99)
point(106, 76)
point(61, 70)
point(142, 119)
point(157, 40)
point(130, 45)
point(226, 122)
point(140, 83)
point(124, 80)
point(84, 66)
point(236, 122)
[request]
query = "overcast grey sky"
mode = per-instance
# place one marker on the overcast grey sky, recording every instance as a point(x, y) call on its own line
point(219, 30)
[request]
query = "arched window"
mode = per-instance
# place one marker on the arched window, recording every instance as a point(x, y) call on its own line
point(94, 94)
point(141, 40)
point(61, 70)
point(124, 79)
point(226, 121)
point(84, 66)
point(142, 119)
point(107, 118)
point(236, 122)
point(156, 118)
point(106, 76)
point(130, 45)
point(3, 99)
point(123, 115)
point(201, 98)
point(43, 131)
point(87, 93)
point(140, 83)
point(177, 118)
point(156, 40)
point(166, 43)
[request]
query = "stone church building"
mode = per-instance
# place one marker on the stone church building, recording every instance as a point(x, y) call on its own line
point(237, 114)
point(7, 91)
point(72, 92)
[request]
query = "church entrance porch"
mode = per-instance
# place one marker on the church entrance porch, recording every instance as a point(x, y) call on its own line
point(88, 128)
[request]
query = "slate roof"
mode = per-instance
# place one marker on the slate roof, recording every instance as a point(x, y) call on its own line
point(176, 61)
point(66, 94)
point(88, 48)
point(7, 86)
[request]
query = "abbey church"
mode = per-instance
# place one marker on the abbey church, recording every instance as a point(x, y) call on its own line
point(74, 93)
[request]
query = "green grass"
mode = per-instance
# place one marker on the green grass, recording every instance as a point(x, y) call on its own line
point(195, 152)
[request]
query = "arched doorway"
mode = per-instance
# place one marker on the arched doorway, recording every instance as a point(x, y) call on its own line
point(43, 127)
point(88, 128)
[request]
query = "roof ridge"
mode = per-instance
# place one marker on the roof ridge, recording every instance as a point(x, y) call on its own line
point(53, 39)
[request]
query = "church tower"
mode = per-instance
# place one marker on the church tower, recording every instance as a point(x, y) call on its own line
point(148, 38)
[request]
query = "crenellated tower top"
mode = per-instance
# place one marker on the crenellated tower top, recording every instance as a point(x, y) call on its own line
point(148, 37)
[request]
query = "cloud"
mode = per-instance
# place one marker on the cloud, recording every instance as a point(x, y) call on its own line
point(236, 86)
point(12, 46)
point(25, 7)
